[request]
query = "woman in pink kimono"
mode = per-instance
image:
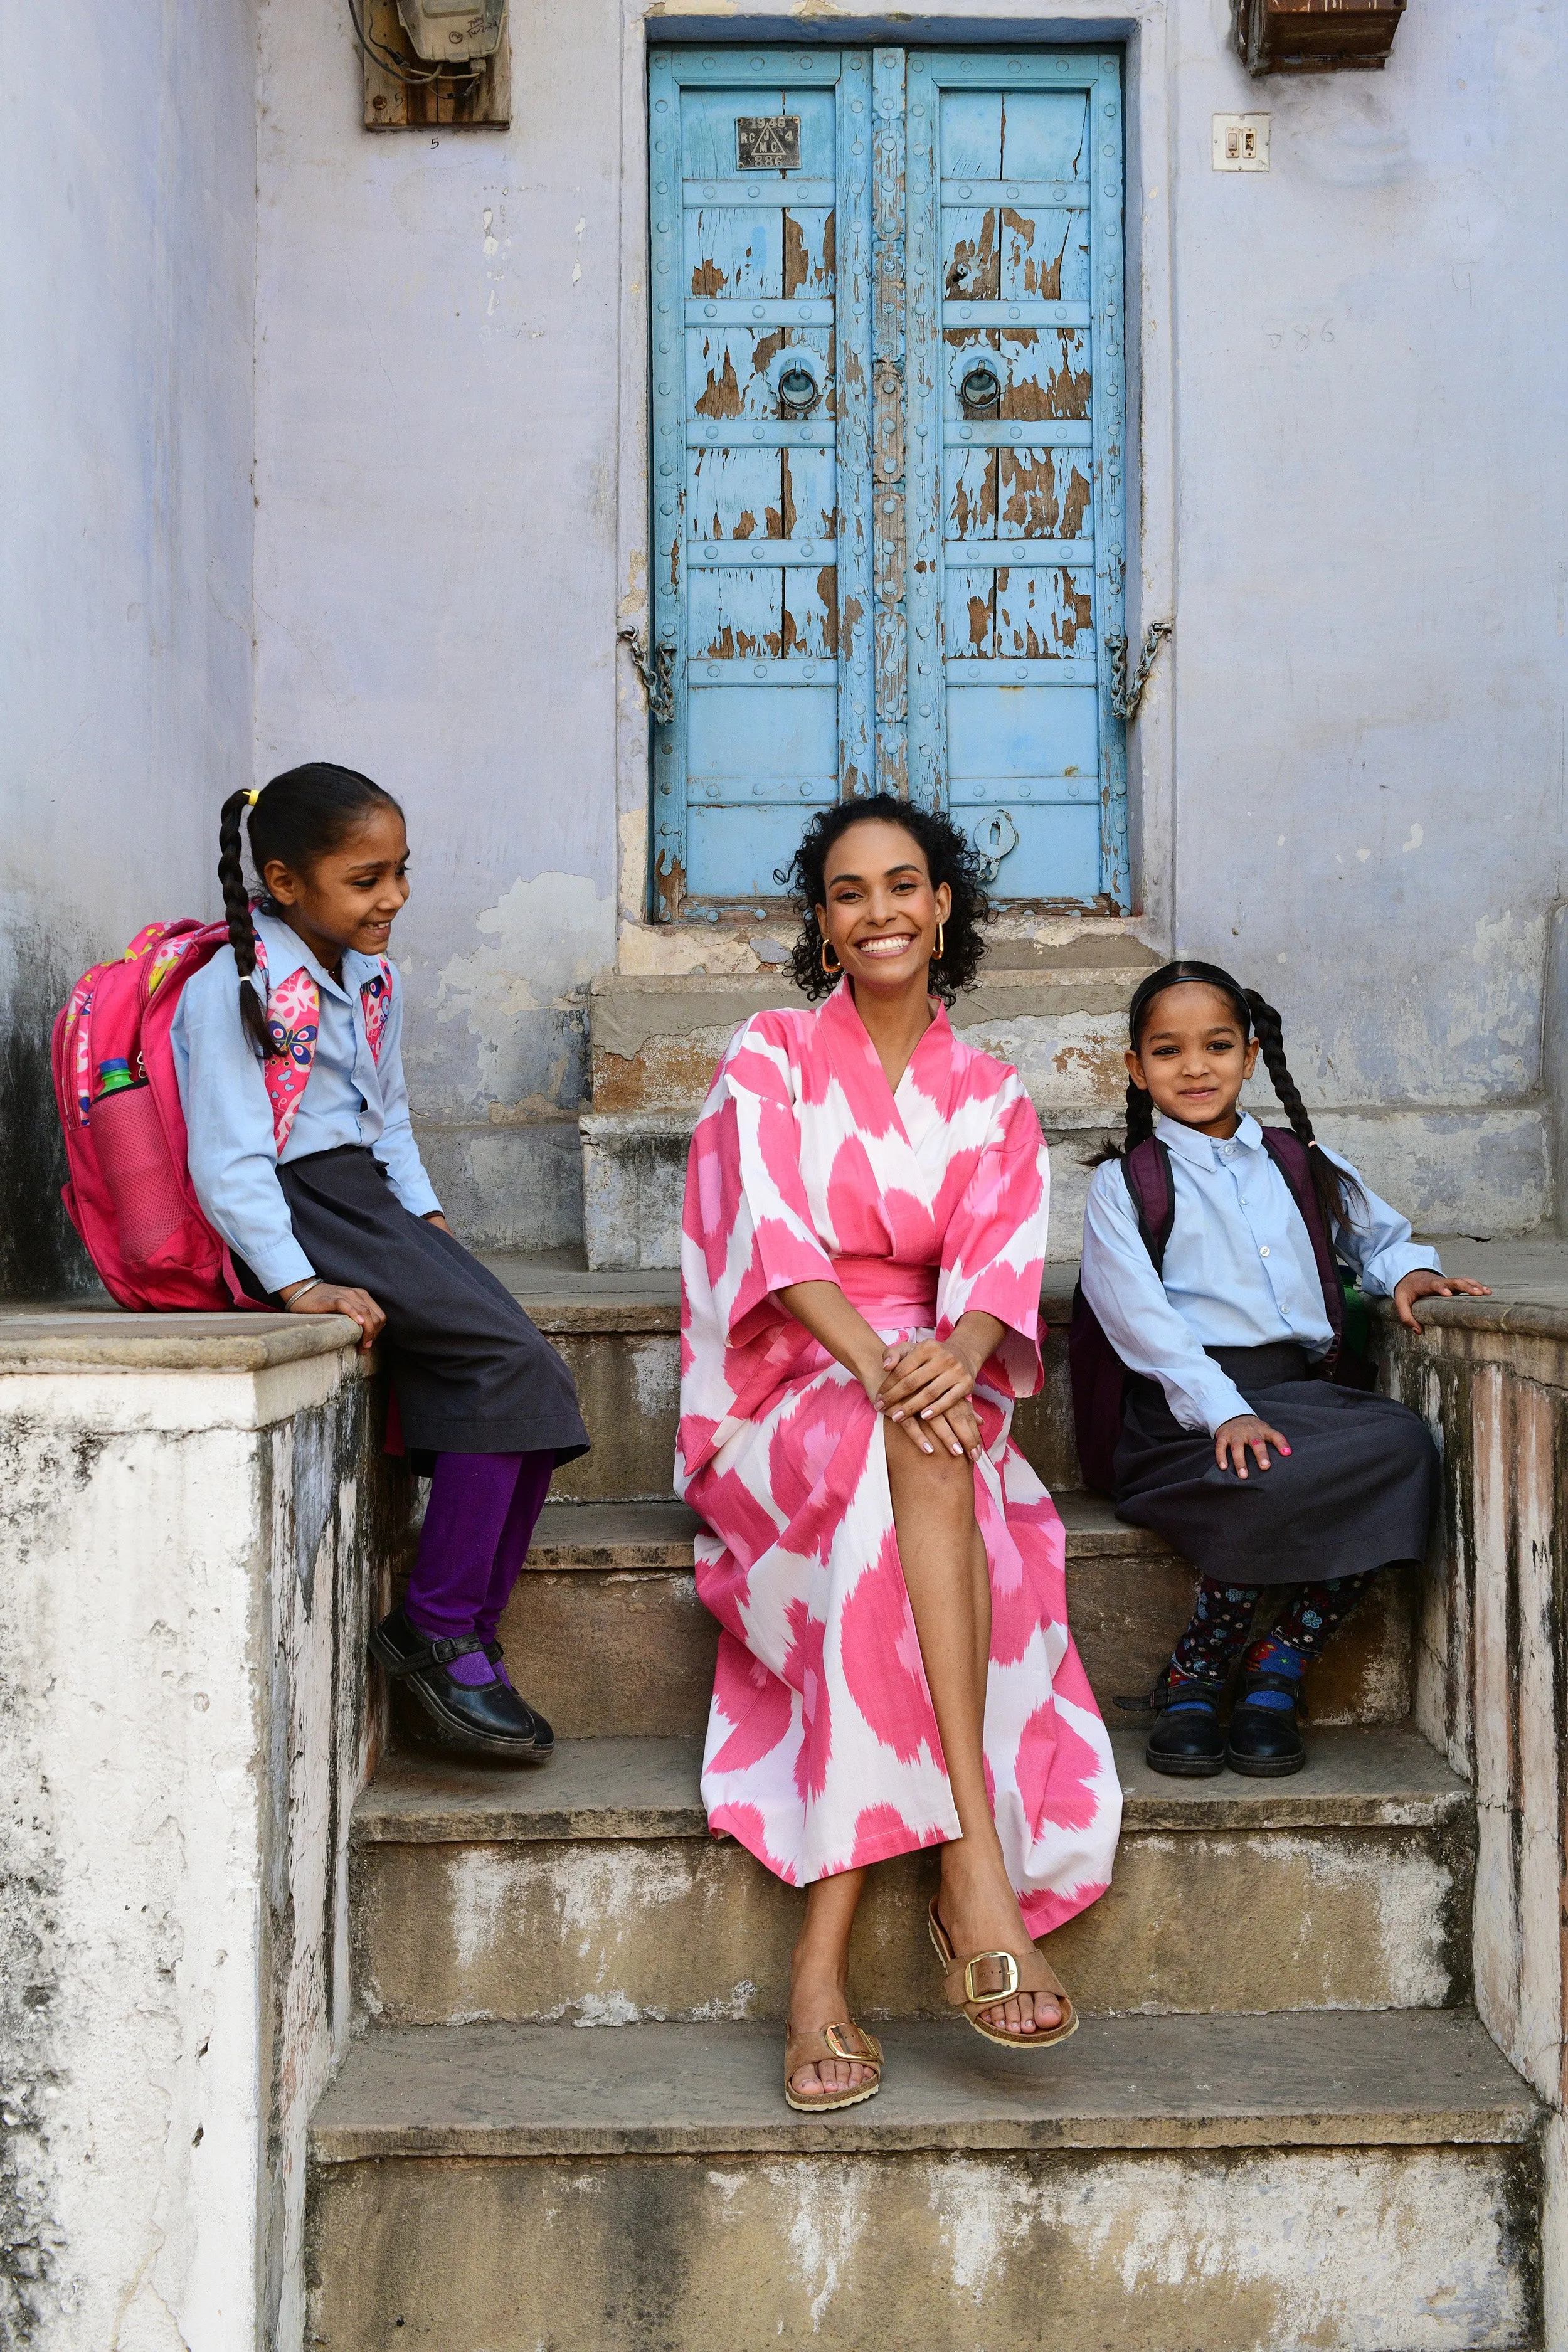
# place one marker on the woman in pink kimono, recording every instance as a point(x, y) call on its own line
point(864, 1234)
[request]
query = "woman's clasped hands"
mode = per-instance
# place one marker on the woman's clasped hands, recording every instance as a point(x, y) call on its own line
point(925, 1391)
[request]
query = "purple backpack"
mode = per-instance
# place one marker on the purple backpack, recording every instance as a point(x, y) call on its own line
point(1099, 1375)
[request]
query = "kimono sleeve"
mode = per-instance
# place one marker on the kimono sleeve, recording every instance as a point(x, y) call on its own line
point(747, 1228)
point(994, 1251)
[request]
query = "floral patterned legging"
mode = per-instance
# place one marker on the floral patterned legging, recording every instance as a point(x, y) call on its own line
point(1221, 1626)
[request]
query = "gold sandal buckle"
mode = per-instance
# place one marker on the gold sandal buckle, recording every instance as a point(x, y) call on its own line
point(834, 2037)
point(990, 1993)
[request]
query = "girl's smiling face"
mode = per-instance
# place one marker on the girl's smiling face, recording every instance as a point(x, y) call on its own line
point(1193, 1057)
point(881, 911)
point(350, 895)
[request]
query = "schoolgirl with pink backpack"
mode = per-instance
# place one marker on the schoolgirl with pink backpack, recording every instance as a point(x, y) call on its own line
point(238, 1130)
point(1212, 1396)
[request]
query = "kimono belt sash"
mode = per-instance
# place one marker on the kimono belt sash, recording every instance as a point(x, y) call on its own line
point(890, 1296)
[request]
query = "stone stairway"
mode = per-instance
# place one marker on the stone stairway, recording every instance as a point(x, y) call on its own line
point(561, 2125)
point(1055, 1009)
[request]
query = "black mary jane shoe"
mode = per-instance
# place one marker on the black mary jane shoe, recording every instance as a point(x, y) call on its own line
point(1186, 1740)
point(1266, 1741)
point(489, 1720)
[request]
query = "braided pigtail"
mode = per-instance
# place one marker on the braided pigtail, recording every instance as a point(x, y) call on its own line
point(1140, 1114)
point(1338, 1196)
point(1139, 1126)
point(241, 929)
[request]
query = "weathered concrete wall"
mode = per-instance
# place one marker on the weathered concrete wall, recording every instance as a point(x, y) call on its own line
point(1347, 773)
point(437, 401)
point(1492, 1685)
point(1554, 1059)
point(194, 1529)
point(128, 151)
point(1368, 665)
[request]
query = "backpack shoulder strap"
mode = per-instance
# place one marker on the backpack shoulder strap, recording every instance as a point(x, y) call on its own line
point(1147, 1171)
point(1290, 1155)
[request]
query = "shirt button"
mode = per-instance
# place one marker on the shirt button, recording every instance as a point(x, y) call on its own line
point(1264, 1251)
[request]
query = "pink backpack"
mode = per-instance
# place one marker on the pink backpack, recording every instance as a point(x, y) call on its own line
point(130, 1194)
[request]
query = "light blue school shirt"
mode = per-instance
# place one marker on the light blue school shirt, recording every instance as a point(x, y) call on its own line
point(1239, 1270)
point(349, 1097)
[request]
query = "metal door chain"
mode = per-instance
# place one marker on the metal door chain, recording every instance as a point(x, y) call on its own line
point(657, 683)
point(1124, 700)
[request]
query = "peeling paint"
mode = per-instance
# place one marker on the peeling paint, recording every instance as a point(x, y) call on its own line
point(542, 943)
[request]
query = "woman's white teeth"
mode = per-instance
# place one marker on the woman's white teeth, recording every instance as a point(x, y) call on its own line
point(887, 947)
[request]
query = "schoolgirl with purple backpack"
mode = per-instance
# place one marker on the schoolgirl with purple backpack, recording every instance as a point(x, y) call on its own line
point(1214, 1397)
point(286, 1044)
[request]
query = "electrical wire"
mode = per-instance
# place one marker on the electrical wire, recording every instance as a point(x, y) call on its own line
point(397, 67)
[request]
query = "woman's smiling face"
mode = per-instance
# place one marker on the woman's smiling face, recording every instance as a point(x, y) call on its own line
point(882, 911)
point(1193, 1056)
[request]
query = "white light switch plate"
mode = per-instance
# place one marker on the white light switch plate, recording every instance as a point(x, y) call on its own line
point(1241, 143)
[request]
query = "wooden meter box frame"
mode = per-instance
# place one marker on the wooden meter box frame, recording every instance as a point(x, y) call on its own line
point(655, 565)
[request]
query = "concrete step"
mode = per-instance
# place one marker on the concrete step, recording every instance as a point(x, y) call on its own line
point(620, 1332)
point(1357, 2183)
point(607, 1636)
point(1058, 1014)
point(634, 1182)
point(590, 1892)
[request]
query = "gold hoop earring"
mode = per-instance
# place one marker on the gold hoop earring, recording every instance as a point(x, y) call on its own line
point(941, 942)
point(830, 969)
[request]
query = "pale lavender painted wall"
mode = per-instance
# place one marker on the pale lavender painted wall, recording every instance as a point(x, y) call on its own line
point(127, 179)
point(1373, 548)
point(1369, 586)
point(436, 407)
point(1370, 511)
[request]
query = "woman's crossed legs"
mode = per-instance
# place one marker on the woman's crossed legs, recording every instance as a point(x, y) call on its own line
point(948, 1580)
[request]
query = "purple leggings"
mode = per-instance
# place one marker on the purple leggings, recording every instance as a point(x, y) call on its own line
point(478, 1527)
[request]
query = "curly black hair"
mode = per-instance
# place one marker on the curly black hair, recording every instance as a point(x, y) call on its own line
point(950, 857)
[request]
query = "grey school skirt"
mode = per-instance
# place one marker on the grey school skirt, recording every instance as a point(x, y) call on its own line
point(1356, 1490)
point(470, 1373)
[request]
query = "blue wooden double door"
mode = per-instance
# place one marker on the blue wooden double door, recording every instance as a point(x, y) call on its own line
point(889, 506)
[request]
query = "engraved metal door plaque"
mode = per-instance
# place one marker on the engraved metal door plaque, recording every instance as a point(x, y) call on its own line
point(767, 142)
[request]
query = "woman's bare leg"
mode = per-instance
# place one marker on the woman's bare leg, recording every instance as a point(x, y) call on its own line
point(949, 1585)
point(819, 1981)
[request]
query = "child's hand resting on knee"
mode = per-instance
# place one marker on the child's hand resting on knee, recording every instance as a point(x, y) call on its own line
point(319, 1297)
point(1232, 1439)
point(1424, 1284)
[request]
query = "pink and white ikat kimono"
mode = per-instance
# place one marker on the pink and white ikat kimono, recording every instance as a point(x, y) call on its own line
point(822, 1749)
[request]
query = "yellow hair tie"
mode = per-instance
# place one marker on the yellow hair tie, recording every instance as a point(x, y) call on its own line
point(253, 798)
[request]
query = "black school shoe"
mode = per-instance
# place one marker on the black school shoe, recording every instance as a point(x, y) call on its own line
point(490, 1720)
point(1186, 1740)
point(1265, 1741)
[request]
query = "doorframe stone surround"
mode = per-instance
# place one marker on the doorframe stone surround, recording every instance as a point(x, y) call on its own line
point(1141, 28)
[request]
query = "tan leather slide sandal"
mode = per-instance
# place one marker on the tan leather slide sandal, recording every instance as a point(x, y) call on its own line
point(846, 2041)
point(985, 1979)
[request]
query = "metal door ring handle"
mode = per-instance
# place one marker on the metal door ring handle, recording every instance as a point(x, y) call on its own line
point(980, 388)
point(799, 392)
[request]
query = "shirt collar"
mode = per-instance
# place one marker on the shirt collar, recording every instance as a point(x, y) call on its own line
point(287, 953)
point(1205, 1150)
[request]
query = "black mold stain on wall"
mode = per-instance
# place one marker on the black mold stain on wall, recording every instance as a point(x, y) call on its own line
point(31, 2245)
point(40, 1257)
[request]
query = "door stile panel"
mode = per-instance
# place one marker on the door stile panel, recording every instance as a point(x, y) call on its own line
point(668, 631)
point(888, 437)
point(1014, 213)
point(909, 582)
point(856, 751)
point(924, 492)
point(1109, 346)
